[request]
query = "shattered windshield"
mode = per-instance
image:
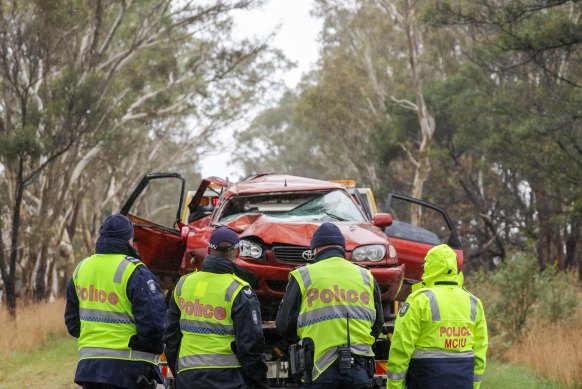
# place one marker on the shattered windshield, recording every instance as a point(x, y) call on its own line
point(320, 206)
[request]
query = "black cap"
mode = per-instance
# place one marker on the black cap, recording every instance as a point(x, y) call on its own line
point(223, 234)
point(328, 234)
point(117, 226)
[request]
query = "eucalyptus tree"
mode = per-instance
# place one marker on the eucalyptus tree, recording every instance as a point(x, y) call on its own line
point(532, 49)
point(94, 94)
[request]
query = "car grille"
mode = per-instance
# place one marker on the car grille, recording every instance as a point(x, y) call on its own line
point(290, 253)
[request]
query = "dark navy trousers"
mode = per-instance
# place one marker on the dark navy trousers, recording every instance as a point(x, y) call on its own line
point(356, 378)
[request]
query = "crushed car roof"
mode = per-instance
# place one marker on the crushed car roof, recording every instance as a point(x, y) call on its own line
point(278, 183)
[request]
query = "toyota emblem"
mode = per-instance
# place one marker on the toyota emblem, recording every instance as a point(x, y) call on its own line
point(308, 255)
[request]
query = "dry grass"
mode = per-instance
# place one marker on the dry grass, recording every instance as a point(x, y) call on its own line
point(554, 350)
point(34, 324)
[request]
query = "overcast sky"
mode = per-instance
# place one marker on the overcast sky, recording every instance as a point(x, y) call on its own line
point(297, 37)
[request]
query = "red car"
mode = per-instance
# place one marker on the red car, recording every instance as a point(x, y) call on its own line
point(275, 217)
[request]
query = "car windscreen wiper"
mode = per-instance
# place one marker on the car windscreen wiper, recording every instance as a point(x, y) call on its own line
point(336, 217)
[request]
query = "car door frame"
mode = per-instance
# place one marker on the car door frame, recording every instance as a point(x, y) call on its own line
point(144, 183)
point(454, 240)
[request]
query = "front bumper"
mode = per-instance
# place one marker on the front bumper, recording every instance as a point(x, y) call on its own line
point(272, 277)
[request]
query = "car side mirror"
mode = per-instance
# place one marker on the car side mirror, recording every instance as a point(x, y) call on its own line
point(382, 220)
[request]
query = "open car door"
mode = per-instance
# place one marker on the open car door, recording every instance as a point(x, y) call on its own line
point(418, 226)
point(154, 207)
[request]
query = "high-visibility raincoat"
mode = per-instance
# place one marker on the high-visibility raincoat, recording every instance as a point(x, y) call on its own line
point(440, 337)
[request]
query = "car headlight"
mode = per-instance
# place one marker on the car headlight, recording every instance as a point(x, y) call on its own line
point(373, 252)
point(250, 249)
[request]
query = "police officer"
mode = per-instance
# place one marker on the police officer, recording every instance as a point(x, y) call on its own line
point(116, 309)
point(215, 336)
point(440, 337)
point(322, 300)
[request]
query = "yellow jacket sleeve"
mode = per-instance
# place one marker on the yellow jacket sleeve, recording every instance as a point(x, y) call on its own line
point(481, 342)
point(406, 333)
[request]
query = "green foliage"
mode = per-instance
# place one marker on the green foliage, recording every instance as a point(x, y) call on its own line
point(559, 299)
point(519, 286)
point(22, 141)
point(518, 293)
point(96, 94)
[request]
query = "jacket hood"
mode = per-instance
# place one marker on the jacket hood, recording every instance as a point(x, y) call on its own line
point(440, 264)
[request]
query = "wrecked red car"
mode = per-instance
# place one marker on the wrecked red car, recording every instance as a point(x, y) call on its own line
point(275, 217)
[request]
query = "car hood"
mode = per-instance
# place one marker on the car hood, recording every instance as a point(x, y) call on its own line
point(271, 231)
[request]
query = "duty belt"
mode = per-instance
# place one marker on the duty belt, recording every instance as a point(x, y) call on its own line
point(331, 355)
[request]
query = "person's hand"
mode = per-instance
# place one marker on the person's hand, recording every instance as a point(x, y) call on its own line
point(136, 344)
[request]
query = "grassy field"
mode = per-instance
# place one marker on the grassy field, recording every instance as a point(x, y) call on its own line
point(53, 366)
point(42, 355)
point(503, 375)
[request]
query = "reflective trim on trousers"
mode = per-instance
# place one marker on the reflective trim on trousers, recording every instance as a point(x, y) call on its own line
point(305, 276)
point(473, 308)
point(434, 305)
point(120, 269)
point(100, 316)
point(231, 289)
point(335, 312)
point(202, 327)
point(331, 355)
point(133, 355)
point(476, 378)
point(442, 354)
point(207, 360)
point(396, 376)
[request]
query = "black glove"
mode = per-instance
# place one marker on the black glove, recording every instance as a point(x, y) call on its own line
point(149, 347)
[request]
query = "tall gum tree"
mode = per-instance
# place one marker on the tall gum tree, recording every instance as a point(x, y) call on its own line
point(93, 96)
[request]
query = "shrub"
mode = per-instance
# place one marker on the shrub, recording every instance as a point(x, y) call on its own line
point(559, 300)
point(518, 293)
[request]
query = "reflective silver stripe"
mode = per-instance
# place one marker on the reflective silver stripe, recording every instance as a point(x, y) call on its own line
point(97, 352)
point(305, 276)
point(120, 269)
point(231, 289)
point(442, 354)
point(206, 360)
point(98, 315)
point(335, 312)
point(179, 286)
point(331, 355)
point(323, 363)
point(396, 376)
point(473, 308)
point(365, 276)
point(78, 268)
point(434, 305)
point(202, 327)
point(476, 378)
point(362, 349)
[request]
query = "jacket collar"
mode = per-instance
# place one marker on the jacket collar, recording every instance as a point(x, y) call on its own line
point(329, 253)
point(106, 245)
point(218, 264)
point(221, 265)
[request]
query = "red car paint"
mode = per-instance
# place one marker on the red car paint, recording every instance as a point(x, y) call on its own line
point(172, 251)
